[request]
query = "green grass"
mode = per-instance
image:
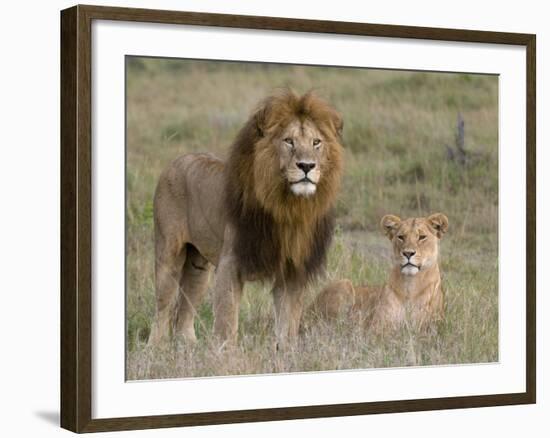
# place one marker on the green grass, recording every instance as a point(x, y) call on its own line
point(396, 126)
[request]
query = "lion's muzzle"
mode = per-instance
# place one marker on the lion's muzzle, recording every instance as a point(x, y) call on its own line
point(304, 181)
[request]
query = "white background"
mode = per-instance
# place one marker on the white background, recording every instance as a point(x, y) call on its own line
point(29, 242)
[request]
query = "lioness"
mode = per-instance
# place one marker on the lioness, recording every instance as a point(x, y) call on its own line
point(413, 291)
point(266, 213)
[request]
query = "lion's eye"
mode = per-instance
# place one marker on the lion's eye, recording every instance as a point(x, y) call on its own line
point(401, 238)
point(422, 237)
point(289, 141)
point(317, 143)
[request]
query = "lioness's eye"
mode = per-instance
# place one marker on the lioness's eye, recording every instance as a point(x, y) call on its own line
point(421, 237)
point(401, 238)
point(289, 141)
point(316, 142)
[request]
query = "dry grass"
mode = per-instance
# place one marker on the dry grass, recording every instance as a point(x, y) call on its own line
point(396, 127)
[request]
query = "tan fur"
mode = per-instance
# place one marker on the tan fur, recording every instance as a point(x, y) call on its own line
point(410, 295)
point(336, 298)
point(254, 217)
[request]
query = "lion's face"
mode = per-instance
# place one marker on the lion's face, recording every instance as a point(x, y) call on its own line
point(415, 241)
point(301, 156)
point(297, 156)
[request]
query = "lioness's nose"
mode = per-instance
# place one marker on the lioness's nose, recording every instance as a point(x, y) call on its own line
point(306, 166)
point(409, 254)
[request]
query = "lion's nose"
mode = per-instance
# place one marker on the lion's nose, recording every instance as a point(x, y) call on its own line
point(409, 254)
point(306, 166)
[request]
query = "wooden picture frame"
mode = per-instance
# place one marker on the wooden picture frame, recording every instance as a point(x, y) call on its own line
point(76, 218)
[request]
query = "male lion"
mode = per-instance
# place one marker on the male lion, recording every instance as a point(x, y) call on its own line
point(265, 214)
point(413, 291)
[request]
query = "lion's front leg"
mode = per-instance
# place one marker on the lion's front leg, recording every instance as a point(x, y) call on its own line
point(227, 297)
point(288, 300)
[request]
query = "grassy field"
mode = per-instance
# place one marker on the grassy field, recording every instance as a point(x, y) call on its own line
point(398, 129)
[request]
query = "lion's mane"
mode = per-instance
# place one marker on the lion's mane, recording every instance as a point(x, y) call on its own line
point(276, 232)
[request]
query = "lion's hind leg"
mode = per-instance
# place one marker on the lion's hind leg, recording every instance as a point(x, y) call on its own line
point(169, 262)
point(193, 285)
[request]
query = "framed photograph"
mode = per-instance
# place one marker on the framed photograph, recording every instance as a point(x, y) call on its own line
point(269, 218)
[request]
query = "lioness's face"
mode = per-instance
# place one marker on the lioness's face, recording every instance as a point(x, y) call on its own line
point(301, 156)
point(415, 241)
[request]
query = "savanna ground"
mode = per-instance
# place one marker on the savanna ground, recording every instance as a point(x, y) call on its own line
point(400, 133)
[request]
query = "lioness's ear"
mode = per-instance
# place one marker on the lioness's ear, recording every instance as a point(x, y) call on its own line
point(439, 223)
point(389, 225)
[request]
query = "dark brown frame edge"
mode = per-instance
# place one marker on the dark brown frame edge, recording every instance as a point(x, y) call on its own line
point(76, 168)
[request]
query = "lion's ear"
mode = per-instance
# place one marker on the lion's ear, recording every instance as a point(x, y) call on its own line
point(389, 225)
point(260, 119)
point(439, 223)
point(338, 124)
